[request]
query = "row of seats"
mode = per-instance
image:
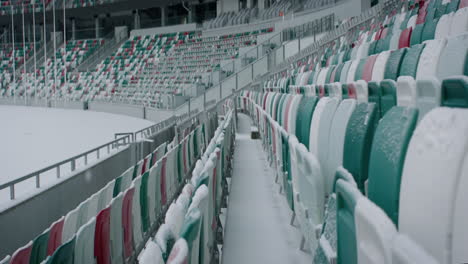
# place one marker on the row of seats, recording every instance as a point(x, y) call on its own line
point(113, 224)
point(356, 179)
point(189, 234)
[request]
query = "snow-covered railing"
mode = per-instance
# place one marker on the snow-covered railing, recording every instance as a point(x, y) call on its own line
point(71, 162)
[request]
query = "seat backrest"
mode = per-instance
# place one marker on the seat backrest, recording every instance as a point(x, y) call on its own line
point(22, 255)
point(416, 35)
point(405, 38)
point(387, 158)
point(347, 197)
point(336, 141)
point(116, 235)
point(429, 59)
point(429, 29)
point(180, 253)
point(443, 26)
point(55, 236)
point(175, 217)
point(406, 91)
point(154, 199)
point(64, 254)
point(352, 71)
point(305, 112)
point(453, 57)
point(84, 243)
point(374, 233)
point(136, 214)
point(360, 69)
point(144, 208)
point(102, 237)
point(191, 232)
point(406, 251)
point(361, 91)
point(293, 114)
point(70, 224)
point(165, 240)
point(93, 205)
point(374, 94)
point(428, 94)
point(388, 98)
point(151, 254)
point(409, 65)
point(368, 68)
point(344, 72)
point(445, 163)
point(358, 141)
point(392, 67)
point(395, 39)
point(127, 222)
point(82, 214)
point(378, 70)
point(455, 92)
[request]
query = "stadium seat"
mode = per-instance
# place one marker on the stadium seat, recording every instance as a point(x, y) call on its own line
point(453, 57)
point(389, 96)
point(127, 222)
point(406, 91)
point(416, 35)
point(93, 204)
point(443, 26)
point(136, 214)
point(180, 253)
point(151, 254)
point(409, 65)
point(405, 38)
point(55, 236)
point(374, 95)
point(347, 197)
point(191, 233)
point(393, 65)
point(428, 94)
point(144, 203)
point(84, 243)
point(406, 251)
point(116, 228)
point(175, 218)
point(387, 158)
point(305, 112)
point(358, 141)
point(361, 91)
point(336, 141)
point(70, 224)
point(102, 237)
point(379, 66)
point(165, 239)
point(429, 30)
point(64, 254)
point(374, 233)
point(429, 59)
point(22, 255)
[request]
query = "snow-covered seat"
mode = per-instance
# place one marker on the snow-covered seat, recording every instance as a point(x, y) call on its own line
point(394, 40)
point(165, 239)
point(191, 233)
point(406, 91)
point(291, 121)
point(406, 251)
point(22, 255)
point(444, 26)
point(362, 92)
point(439, 228)
point(151, 254)
point(336, 141)
point(322, 76)
point(379, 66)
point(388, 97)
point(350, 77)
point(116, 236)
point(428, 94)
point(180, 253)
point(459, 22)
point(6, 260)
point(374, 233)
point(92, 206)
point(64, 254)
point(320, 127)
point(105, 195)
point(136, 214)
point(429, 59)
point(453, 57)
point(409, 64)
point(70, 224)
point(175, 217)
point(304, 115)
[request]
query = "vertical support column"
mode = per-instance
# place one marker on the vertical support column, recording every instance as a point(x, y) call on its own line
point(136, 19)
point(249, 3)
point(42, 33)
point(163, 16)
point(73, 22)
point(261, 5)
point(96, 23)
point(190, 14)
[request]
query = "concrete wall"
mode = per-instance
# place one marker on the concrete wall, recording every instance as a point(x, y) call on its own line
point(163, 30)
point(157, 115)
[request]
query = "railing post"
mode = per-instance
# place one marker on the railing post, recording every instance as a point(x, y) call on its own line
point(58, 171)
point(73, 165)
point(86, 159)
point(98, 154)
point(12, 192)
point(38, 181)
point(108, 149)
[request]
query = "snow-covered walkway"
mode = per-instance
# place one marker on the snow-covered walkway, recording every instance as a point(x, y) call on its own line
point(257, 225)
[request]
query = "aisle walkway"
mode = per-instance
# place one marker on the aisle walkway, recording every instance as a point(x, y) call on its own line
point(257, 225)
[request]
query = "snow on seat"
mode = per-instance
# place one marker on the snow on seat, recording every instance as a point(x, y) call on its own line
point(84, 243)
point(344, 72)
point(428, 94)
point(153, 194)
point(136, 214)
point(92, 206)
point(392, 67)
point(180, 253)
point(336, 141)
point(22, 255)
point(374, 233)
point(309, 195)
point(443, 26)
point(429, 58)
point(374, 95)
point(64, 254)
point(105, 195)
point(358, 141)
point(347, 197)
point(453, 57)
point(304, 115)
point(395, 39)
point(361, 91)
point(409, 64)
point(175, 217)
point(406, 91)
point(378, 70)
point(116, 236)
point(359, 69)
point(439, 142)
point(412, 22)
point(388, 97)
point(350, 77)
point(151, 254)
point(165, 239)
point(70, 224)
point(6, 260)
point(387, 158)
point(322, 76)
point(102, 237)
point(191, 233)
point(406, 251)
point(320, 127)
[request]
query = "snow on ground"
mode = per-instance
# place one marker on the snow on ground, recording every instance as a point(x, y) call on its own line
point(32, 138)
point(258, 217)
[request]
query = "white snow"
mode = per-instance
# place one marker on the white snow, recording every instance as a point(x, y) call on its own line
point(257, 225)
point(33, 138)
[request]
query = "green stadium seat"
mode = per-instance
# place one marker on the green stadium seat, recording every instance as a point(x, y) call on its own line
point(65, 254)
point(304, 118)
point(388, 97)
point(393, 65)
point(38, 251)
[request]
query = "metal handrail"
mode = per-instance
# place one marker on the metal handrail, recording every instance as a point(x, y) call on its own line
point(114, 144)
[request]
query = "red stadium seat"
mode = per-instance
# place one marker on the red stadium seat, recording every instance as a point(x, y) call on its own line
point(55, 236)
point(367, 73)
point(405, 38)
point(102, 237)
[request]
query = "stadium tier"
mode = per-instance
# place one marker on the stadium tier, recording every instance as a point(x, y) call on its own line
point(364, 133)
